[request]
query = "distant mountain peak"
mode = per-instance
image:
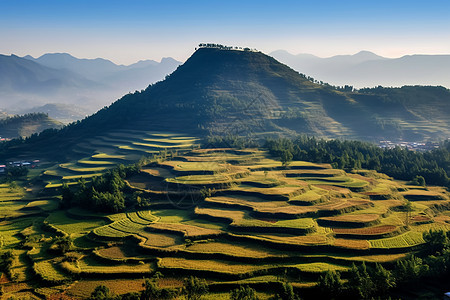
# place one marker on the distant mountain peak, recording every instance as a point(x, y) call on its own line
point(368, 55)
point(169, 60)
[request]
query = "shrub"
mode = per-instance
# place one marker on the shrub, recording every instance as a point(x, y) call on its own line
point(243, 293)
point(6, 262)
point(287, 292)
point(194, 288)
point(152, 291)
point(101, 292)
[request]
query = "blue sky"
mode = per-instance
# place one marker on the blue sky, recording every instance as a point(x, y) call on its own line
point(128, 31)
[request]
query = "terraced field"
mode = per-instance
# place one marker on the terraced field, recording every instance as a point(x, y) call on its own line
point(106, 151)
point(231, 216)
point(268, 213)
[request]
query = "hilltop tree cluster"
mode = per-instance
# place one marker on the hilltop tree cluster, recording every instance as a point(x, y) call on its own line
point(222, 47)
point(432, 167)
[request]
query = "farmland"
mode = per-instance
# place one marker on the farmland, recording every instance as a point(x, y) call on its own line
point(101, 153)
point(228, 215)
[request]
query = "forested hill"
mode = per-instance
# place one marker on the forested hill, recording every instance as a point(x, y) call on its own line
point(244, 92)
point(26, 125)
point(249, 93)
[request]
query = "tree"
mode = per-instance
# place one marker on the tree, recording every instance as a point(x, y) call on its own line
point(409, 270)
point(243, 293)
point(286, 158)
point(67, 196)
point(16, 172)
point(62, 244)
point(418, 180)
point(130, 296)
point(408, 209)
point(330, 285)
point(287, 292)
point(194, 288)
point(360, 284)
point(151, 290)
point(436, 241)
point(383, 280)
point(101, 292)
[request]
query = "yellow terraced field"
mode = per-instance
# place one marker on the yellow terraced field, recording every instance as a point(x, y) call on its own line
point(226, 215)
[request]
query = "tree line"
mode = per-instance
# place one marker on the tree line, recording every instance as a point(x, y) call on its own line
point(18, 118)
point(364, 282)
point(400, 163)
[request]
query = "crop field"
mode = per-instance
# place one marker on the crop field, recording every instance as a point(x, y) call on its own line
point(408, 239)
point(9, 192)
point(184, 229)
point(10, 229)
point(233, 249)
point(49, 271)
point(217, 266)
point(91, 265)
point(227, 215)
point(421, 195)
point(72, 226)
point(106, 151)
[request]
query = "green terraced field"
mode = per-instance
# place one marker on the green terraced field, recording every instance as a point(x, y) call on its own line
point(111, 149)
point(265, 221)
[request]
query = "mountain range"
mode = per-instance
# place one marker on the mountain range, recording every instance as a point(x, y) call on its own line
point(366, 69)
point(86, 85)
point(248, 93)
point(89, 84)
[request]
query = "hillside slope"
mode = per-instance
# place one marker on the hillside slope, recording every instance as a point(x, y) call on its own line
point(239, 92)
point(251, 94)
point(26, 125)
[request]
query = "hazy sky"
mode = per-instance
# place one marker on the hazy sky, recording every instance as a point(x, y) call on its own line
point(128, 31)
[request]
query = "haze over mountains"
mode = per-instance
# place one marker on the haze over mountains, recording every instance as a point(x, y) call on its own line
point(59, 78)
point(219, 91)
point(86, 85)
point(366, 69)
point(247, 93)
